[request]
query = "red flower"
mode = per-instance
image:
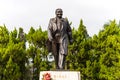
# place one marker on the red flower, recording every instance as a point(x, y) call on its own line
point(46, 76)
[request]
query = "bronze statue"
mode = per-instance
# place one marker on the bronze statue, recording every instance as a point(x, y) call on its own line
point(59, 33)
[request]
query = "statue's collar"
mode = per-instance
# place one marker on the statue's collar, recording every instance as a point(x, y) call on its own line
point(55, 19)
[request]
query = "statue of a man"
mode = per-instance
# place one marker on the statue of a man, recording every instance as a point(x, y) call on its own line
point(59, 33)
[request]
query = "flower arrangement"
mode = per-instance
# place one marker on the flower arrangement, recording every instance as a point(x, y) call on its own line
point(47, 76)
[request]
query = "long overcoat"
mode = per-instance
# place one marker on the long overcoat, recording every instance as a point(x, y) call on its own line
point(65, 33)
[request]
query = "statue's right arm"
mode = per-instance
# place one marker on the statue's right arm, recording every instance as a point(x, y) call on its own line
point(50, 37)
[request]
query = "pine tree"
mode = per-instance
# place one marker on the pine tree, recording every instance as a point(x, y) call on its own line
point(37, 51)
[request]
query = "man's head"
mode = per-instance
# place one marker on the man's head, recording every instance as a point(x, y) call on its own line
point(59, 13)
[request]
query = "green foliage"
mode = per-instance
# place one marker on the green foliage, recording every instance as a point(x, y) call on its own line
point(4, 36)
point(13, 56)
point(97, 57)
point(37, 51)
point(109, 47)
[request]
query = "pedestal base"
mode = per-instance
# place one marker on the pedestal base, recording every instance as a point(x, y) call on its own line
point(60, 75)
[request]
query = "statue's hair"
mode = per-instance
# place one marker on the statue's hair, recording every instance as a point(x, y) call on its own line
point(58, 9)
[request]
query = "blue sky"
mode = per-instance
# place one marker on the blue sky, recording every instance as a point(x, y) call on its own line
point(27, 13)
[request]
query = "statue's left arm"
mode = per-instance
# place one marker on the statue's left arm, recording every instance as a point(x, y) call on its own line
point(69, 32)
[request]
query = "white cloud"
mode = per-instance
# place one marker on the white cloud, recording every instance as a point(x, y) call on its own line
point(27, 13)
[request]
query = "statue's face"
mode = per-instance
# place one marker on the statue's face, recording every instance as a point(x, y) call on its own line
point(59, 13)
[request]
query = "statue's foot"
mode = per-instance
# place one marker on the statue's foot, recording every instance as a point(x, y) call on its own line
point(57, 67)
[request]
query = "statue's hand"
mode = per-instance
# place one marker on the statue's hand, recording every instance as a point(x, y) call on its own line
point(48, 45)
point(71, 41)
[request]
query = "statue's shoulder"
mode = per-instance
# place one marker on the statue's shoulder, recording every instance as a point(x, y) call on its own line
point(65, 19)
point(53, 19)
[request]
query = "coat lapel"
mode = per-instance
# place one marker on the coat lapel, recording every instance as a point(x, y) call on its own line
point(62, 24)
point(55, 24)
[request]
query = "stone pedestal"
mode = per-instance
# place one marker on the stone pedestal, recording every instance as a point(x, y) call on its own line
point(60, 75)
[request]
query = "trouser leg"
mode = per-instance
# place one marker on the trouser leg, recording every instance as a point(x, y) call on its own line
point(56, 57)
point(55, 50)
point(64, 59)
point(61, 63)
point(62, 55)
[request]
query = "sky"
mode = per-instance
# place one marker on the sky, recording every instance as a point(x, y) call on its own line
point(35, 13)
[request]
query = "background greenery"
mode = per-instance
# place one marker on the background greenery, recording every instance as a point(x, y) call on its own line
point(23, 56)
